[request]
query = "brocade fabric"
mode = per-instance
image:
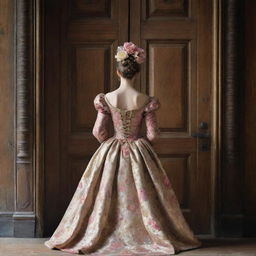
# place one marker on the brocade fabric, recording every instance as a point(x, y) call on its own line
point(124, 203)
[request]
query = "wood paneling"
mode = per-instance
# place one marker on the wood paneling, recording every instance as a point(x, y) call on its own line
point(161, 8)
point(231, 206)
point(248, 134)
point(80, 64)
point(168, 78)
point(6, 106)
point(100, 8)
point(7, 110)
point(88, 65)
point(26, 70)
point(177, 36)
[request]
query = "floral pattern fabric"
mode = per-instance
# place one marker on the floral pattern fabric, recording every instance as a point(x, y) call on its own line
point(124, 203)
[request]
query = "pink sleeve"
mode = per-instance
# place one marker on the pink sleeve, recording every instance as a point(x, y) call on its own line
point(151, 119)
point(100, 128)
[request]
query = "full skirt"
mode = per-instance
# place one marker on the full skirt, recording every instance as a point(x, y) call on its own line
point(124, 204)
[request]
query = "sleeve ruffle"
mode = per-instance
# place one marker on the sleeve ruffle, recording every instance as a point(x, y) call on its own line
point(153, 105)
point(100, 104)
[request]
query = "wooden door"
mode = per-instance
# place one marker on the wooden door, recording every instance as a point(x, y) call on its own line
point(178, 36)
point(81, 38)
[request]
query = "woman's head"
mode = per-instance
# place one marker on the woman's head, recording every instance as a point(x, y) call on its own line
point(129, 57)
point(128, 67)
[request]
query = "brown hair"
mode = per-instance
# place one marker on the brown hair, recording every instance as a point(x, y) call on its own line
point(128, 67)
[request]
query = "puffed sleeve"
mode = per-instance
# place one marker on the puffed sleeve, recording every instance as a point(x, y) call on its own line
point(100, 128)
point(149, 114)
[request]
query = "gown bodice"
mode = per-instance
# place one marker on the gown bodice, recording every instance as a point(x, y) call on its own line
point(127, 123)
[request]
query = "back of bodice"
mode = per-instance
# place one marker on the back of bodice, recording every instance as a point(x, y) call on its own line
point(127, 123)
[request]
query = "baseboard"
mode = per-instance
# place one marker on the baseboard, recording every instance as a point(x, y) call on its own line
point(6, 224)
point(17, 224)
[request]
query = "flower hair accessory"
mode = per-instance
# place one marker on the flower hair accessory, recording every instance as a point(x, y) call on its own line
point(130, 49)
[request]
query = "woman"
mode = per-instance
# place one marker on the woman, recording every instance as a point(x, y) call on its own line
point(124, 203)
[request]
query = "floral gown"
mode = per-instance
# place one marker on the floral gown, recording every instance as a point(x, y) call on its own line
point(124, 203)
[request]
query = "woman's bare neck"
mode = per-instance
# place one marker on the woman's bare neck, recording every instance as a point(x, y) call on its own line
point(126, 84)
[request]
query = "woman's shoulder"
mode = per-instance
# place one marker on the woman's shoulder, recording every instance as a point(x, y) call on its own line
point(153, 104)
point(100, 103)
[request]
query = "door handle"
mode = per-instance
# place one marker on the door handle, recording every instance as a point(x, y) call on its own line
point(204, 144)
point(200, 135)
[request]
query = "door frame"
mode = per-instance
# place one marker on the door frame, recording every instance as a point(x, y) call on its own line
point(30, 123)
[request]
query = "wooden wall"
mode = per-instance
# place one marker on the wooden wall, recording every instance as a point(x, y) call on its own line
point(8, 160)
point(250, 119)
point(17, 148)
point(6, 117)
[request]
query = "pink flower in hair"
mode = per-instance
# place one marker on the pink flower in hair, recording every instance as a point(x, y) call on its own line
point(140, 55)
point(130, 47)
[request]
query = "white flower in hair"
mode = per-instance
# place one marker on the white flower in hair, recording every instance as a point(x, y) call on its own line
point(121, 55)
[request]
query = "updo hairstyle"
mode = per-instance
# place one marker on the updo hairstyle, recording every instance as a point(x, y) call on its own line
point(128, 67)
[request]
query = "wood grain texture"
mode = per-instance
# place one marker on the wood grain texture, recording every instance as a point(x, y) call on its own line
point(160, 8)
point(24, 107)
point(81, 39)
point(24, 216)
point(249, 135)
point(7, 147)
point(169, 78)
point(179, 72)
point(231, 174)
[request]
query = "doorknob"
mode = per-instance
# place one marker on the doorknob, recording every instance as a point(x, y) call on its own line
point(200, 135)
point(204, 145)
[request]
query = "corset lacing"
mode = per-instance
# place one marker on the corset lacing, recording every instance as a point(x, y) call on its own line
point(124, 133)
point(126, 120)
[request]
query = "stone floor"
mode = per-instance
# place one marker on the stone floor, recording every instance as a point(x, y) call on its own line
point(220, 247)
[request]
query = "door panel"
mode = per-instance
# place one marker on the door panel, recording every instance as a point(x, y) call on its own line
point(178, 38)
point(81, 38)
